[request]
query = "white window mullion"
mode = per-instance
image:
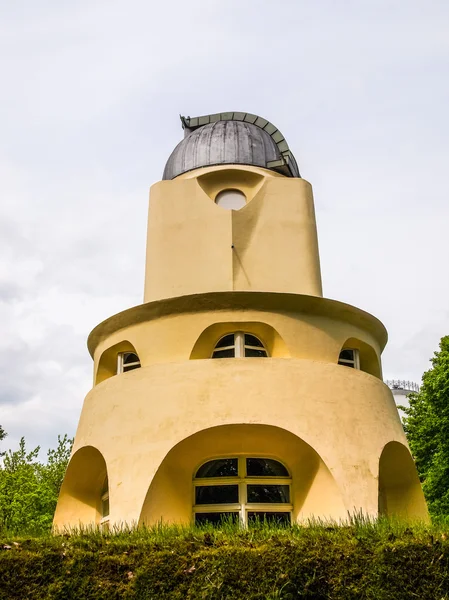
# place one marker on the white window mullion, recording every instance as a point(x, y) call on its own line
point(242, 489)
point(239, 344)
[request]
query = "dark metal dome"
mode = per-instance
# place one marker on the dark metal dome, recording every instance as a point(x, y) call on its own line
point(230, 138)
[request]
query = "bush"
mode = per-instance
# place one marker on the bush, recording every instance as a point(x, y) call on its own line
point(379, 561)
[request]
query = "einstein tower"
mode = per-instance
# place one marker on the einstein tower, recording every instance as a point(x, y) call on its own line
point(236, 390)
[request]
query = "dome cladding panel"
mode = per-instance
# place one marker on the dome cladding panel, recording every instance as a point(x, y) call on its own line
point(220, 143)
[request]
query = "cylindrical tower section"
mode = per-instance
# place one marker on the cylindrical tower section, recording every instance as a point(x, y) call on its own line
point(269, 245)
point(236, 390)
point(401, 390)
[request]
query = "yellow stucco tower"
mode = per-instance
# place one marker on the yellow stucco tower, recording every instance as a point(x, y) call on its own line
point(236, 389)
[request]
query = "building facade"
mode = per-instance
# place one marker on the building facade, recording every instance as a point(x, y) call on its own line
point(236, 390)
point(401, 390)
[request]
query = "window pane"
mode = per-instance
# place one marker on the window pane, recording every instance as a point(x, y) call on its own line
point(105, 507)
point(224, 353)
point(347, 354)
point(216, 494)
point(223, 467)
point(251, 340)
point(252, 352)
point(227, 340)
point(216, 518)
point(276, 518)
point(273, 494)
point(265, 467)
point(130, 357)
point(346, 364)
point(130, 367)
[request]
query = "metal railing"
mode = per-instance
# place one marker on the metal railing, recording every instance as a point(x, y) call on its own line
point(399, 384)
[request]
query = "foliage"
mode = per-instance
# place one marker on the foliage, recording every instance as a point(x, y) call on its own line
point(427, 429)
point(29, 489)
point(3, 434)
point(360, 560)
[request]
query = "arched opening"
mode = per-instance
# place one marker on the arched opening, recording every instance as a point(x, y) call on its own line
point(246, 182)
point(239, 345)
point(253, 336)
point(360, 355)
point(171, 496)
point(120, 358)
point(84, 495)
point(400, 492)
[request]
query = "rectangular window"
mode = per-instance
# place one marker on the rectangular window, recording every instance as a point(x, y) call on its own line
point(227, 353)
point(272, 494)
point(349, 357)
point(216, 494)
point(275, 518)
point(105, 506)
point(216, 518)
point(127, 361)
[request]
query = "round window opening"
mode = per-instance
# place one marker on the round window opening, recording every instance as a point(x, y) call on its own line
point(231, 199)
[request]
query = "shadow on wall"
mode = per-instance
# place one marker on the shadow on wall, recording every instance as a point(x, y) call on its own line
point(107, 365)
point(400, 492)
point(170, 496)
point(270, 338)
point(80, 495)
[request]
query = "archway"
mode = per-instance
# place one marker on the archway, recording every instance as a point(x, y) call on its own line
point(369, 360)
point(400, 492)
point(80, 498)
point(271, 339)
point(314, 492)
point(107, 364)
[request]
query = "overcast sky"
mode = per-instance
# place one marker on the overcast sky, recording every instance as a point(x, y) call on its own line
point(91, 93)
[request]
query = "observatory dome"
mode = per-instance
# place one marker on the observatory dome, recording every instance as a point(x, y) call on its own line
point(230, 141)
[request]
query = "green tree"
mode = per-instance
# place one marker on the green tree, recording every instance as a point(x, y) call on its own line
point(427, 429)
point(3, 434)
point(29, 489)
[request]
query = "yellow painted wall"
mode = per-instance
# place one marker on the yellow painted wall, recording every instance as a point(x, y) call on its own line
point(314, 490)
point(290, 326)
point(212, 271)
point(195, 246)
point(136, 418)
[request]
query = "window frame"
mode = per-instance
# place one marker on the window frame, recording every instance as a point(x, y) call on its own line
point(104, 519)
point(239, 345)
point(353, 363)
point(122, 367)
point(243, 507)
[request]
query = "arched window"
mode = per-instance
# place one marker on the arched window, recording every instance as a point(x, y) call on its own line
point(104, 521)
point(127, 361)
point(239, 345)
point(245, 489)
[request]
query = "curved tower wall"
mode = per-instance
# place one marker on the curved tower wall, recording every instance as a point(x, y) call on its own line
point(211, 272)
point(195, 247)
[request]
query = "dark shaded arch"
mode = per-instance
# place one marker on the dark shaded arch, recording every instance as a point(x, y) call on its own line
point(270, 338)
point(107, 364)
point(170, 494)
point(80, 496)
point(369, 359)
point(400, 492)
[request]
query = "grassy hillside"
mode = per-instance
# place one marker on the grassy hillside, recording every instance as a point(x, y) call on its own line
point(383, 561)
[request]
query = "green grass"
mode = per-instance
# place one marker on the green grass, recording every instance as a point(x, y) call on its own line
point(381, 560)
